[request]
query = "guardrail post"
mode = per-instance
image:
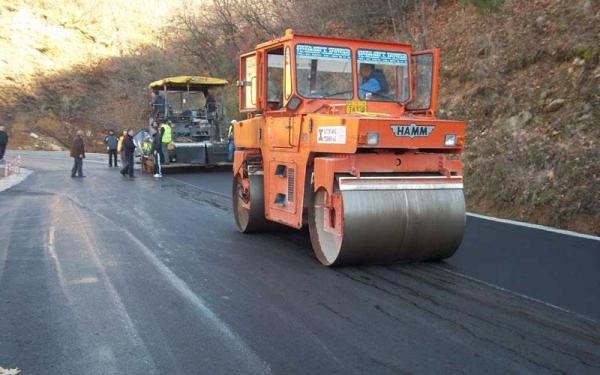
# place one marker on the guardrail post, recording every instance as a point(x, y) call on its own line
point(18, 165)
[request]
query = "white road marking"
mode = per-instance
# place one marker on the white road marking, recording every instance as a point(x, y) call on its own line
point(84, 280)
point(59, 271)
point(121, 311)
point(535, 226)
point(3, 256)
point(260, 366)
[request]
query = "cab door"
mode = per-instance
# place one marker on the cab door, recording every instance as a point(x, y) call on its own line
point(280, 124)
point(425, 76)
point(248, 82)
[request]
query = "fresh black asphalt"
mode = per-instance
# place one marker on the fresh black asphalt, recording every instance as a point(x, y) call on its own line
point(104, 275)
point(559, 269)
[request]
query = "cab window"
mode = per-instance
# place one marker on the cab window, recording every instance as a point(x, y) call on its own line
point(423, 81)
point(275, 79)
point(324, 72)
point(383, 75)
point(247, 83)
point(288, 74)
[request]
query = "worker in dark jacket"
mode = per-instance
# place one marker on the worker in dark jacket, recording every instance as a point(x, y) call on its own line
point(157, 151)
point(128, 149)
point(3, 142)
point(112, 142)
point(78, 154)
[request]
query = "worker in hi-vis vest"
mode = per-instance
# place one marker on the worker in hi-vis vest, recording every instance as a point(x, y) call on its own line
point(230, 144)
point(165, 136)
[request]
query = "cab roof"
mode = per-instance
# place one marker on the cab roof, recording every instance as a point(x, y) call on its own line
point(289, 35)
point(181, 83)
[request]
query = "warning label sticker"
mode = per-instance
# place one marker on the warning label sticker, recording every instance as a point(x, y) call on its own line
point(331, 135)
point(382, 57)
point(324, 52)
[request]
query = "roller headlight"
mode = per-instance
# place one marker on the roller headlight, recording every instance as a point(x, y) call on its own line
point(372, 138)
point(450, 140)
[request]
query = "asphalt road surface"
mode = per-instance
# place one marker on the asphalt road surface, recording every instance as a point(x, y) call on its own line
point(105, 275)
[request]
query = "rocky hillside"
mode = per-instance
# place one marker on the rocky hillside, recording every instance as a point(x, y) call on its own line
point(527, 78)
point(524, 74)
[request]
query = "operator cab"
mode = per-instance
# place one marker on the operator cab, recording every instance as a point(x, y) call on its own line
point(299, 73)
point(193, 105)
point(341, 136)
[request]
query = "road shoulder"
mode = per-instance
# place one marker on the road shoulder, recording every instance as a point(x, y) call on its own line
point(14, 179)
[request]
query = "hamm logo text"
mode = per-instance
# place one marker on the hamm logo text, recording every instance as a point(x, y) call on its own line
point(412, 130)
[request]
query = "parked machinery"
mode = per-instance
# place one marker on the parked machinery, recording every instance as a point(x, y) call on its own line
point(193, 106)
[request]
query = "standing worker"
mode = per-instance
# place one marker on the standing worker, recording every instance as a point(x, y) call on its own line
point(128, 149)
point(157, 151)
point(3, 141)
point(112, 142)
point(166, 137)
point(78, 154)
point(230, 144)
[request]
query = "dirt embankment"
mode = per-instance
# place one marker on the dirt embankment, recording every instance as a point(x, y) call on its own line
point(68, 65)
point(527, 78)
point(524, 74)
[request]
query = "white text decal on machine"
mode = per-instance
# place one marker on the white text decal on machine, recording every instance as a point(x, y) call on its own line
point(331, 134)
point(412, 130)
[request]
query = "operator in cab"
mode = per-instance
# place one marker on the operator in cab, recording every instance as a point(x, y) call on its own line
point(210, 106)
point(211, 102)
point(158, 106)
point(372, 82)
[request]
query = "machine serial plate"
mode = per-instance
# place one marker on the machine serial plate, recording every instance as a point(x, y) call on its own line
point(331, 135)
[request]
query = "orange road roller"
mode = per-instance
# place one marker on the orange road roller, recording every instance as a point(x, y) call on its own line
point(341, 135)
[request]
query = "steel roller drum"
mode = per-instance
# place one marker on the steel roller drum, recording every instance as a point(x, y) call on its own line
point(383, 226)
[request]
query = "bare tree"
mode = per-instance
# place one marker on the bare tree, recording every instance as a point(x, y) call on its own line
point(220, 30)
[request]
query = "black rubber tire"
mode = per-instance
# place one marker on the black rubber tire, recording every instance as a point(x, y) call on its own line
point(250, 220)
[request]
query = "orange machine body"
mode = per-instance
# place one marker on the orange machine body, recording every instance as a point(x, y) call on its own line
point(302, 144)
